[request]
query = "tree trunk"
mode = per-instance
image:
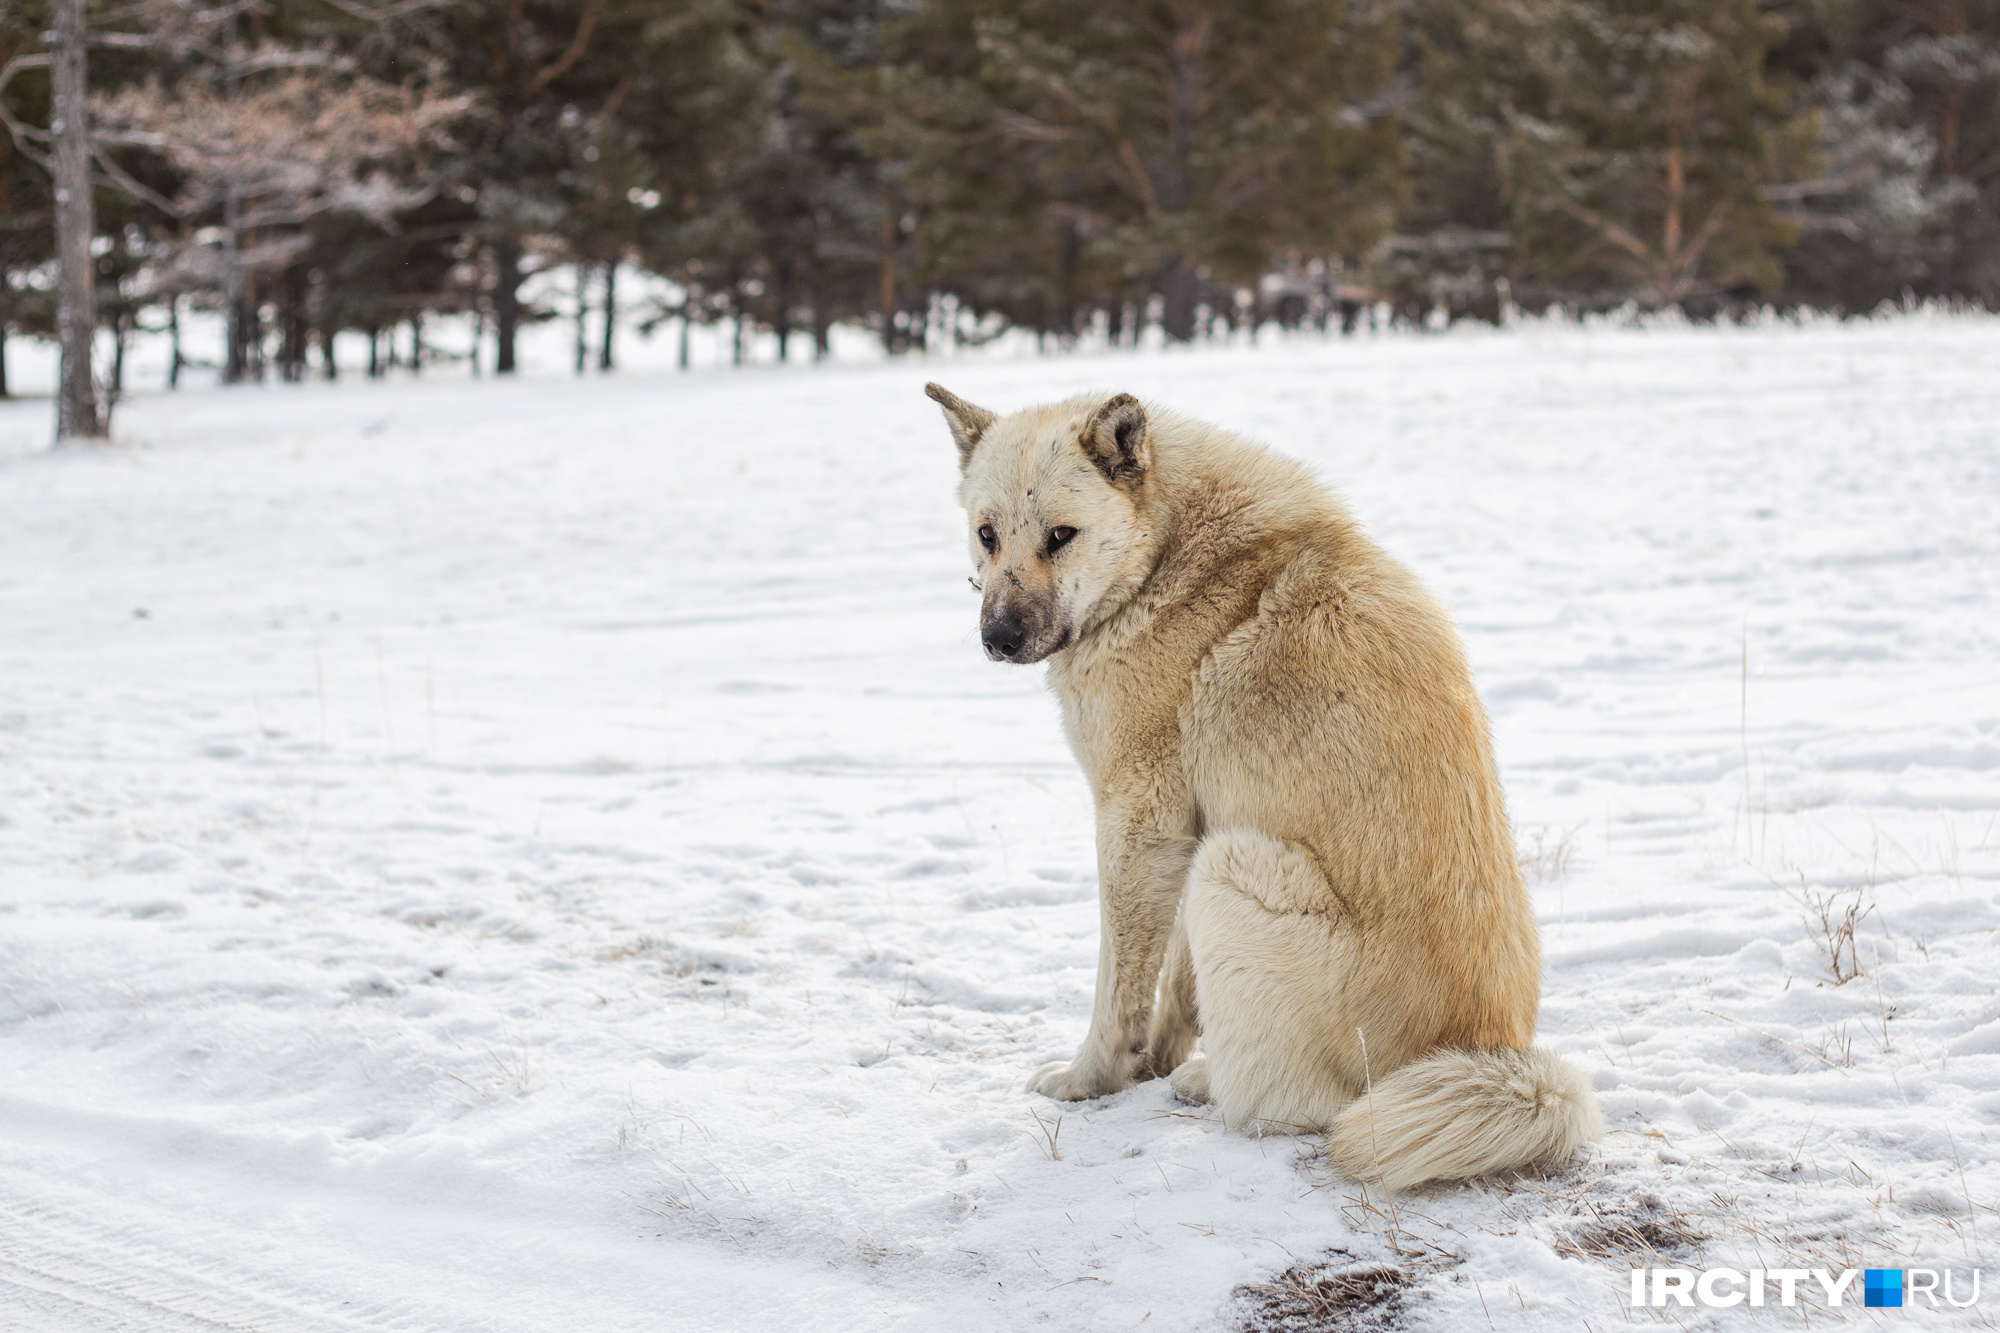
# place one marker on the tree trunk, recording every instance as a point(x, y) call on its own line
point(506, 302)
point(582, 312)
point(784, 310)
point(888, 276)
point(77, 417)
point(1069, 246)
point(238, 310)
point(604, 361)
point(416, 342)
point(374, 354)
point(174, 358)
point(1179, 286)
point(736, 315)
point(236, 361)
point(685, 321)
point(121, 329)
point(1178, 289)
point(3, 316)
point(246, 330)
point(292, 325)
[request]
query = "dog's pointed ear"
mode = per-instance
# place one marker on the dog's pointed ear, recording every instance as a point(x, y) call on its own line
point(1120, 442)
point(967, 422)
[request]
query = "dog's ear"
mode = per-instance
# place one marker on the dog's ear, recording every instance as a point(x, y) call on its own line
point(967, 422)
point(1119, 441)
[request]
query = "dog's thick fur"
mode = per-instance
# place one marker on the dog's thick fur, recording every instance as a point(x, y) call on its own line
point(1302, 849)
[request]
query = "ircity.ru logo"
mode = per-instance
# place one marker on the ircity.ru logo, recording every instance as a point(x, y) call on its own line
point(1888, 1287)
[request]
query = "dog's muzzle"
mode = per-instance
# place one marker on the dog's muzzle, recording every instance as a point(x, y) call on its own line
point(1003, 637)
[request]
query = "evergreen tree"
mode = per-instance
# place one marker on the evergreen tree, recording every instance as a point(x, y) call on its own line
point(592, 106)
point(314, 166)
point(1607, 150)
point(1935, 66)
point(1061, 156)
point(27, 204)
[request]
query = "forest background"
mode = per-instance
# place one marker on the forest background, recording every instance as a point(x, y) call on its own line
point(953, 169)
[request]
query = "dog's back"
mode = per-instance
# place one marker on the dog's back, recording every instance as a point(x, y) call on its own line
point(1356, 842)
point(1341, 717)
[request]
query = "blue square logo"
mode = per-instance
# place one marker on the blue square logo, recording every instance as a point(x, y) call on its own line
point(1882, 1286)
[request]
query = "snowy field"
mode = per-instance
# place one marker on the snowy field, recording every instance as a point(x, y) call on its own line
point(551, 855)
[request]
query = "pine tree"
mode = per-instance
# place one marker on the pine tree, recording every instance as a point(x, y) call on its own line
point(1943, 57)
point(1611, 150)
point(591, 108)
point(1062, 157)
point(27, 203)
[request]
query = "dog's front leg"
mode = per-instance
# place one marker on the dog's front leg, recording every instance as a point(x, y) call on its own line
point(1142, 869)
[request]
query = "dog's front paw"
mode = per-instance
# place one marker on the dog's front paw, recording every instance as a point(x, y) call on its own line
point(1070, 1081)
point(1190, 1080)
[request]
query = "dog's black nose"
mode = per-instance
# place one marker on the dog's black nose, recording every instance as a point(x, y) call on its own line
point(1002, 638)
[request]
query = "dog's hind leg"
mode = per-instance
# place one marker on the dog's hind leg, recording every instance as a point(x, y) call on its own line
point(1272, 962)
point(1171, 1035)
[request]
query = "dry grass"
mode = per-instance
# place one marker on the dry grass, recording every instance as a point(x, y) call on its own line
point(1050, 1135)
point(873, 1252)
point(632, 948)
point(1597, 1213)
point(1647, 1236)
point(1837, 922)
point(683, 1202)
point(1546, 852)
point(511, 1073)
point(1607, 1215)
point(677, 961)
point(1836, 1047)
point(1324, 1294)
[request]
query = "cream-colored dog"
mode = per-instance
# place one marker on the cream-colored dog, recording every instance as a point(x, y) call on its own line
point(1302, 849)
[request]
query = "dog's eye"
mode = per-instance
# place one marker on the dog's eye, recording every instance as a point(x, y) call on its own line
point(1059, 538)
point(987, 538)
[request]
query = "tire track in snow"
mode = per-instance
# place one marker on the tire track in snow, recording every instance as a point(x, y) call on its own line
point(64, 1272)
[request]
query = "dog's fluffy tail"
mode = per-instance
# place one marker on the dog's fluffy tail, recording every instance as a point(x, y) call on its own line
point(1465, 1113)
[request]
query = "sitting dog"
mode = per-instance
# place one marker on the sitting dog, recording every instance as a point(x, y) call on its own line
point(1303, 854)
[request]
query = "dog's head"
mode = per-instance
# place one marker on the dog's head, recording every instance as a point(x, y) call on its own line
point(1055, 500)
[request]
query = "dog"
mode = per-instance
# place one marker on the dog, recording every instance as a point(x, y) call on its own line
point(1303, 854)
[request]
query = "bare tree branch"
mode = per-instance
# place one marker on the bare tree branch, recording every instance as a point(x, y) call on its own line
point(124, 181)
point(290, 149)
point(576, 47)
point(1610, 230)
point(1107, 121)
point(25, 136)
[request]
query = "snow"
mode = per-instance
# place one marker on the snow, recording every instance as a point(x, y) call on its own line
point(517, 856)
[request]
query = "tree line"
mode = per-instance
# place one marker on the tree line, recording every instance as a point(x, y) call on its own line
point(934, 168)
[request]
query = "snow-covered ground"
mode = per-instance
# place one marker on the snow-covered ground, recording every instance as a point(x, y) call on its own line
point(551, 855)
